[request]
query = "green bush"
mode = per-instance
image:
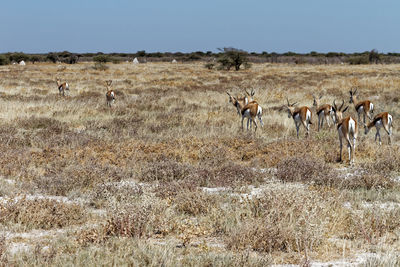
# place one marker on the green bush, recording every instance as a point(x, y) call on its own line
point(209, 66)
point(18, 57)
point(358, 60)
point(4, 60)
point(233, 58)
point(101, 59)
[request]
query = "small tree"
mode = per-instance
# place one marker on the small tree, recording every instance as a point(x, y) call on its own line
point(374, 56)
point(52, 57)
point(34, 58)
point(73, 59)
point(141, 53)
point(101, 59)
point(233, 57)
point(4, 60)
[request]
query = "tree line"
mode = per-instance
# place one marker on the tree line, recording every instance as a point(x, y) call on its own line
point(226, 58)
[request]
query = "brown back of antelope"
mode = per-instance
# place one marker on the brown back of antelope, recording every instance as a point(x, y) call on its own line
point(366, 107)
point(384, 120)
point(110, 95)
point(62, 87)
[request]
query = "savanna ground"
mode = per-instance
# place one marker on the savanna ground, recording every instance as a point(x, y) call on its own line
point(166, 177)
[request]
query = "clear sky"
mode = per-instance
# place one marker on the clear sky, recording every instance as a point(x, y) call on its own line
point(41, 26)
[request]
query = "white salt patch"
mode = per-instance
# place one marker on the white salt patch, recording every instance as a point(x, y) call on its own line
point(214, 189)
point(15, 248)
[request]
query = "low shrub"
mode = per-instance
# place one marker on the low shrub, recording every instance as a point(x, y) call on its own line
point(40, 213)
point(306, 170)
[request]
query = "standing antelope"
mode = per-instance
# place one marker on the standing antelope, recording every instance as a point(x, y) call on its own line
point(365, 107)
point(301, 115)
point(347, 128)
point(62, 86)
point(251, 111)
point(384, 120)
point(250, 96)
point(110, 95)
point(324, 111)
point(238, 102)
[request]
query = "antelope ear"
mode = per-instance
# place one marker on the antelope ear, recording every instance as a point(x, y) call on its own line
point(334, 109)
point(344, 110)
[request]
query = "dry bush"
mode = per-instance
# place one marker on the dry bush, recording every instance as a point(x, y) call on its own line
point(166, 170)
point(228, 175)
point(34, 122)
point(372, 224)
point(40, 213)
point(306, 170)
point(194, 203)
point(138, 220)
point(167, 190)
point(288, 220)
point(3, 250)
point(368, 180)
point(114, 192)
point(63, 177)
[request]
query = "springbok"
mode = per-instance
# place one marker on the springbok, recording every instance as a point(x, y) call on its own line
point(250, 96)
point(238, 102)
point(347, 128)
point(300, 115)
point(62, 86)
point(110, 95)
point(384, 120)
point(251, 111)
point(324, 111)
point(365, 107)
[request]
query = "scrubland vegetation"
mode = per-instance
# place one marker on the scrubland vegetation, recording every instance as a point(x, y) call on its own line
point(167, 178)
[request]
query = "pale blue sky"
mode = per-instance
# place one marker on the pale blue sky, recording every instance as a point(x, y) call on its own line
point(184, 26)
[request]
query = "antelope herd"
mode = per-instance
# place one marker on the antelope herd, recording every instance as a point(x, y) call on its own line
point(247, 107)
point(347, 127)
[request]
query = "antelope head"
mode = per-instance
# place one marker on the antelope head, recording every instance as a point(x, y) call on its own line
point(316, 100)
point(338, 111)
point(290, 108)
point(352, 95)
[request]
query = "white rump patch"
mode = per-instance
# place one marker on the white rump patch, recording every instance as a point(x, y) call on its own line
point(352, 125)
point(308, 115)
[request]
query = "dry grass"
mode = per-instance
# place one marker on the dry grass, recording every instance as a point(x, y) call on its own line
point(139, 170)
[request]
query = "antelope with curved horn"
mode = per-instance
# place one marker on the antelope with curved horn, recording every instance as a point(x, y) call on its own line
point(110, 95)
point(384, 120)
point(250, 96)
point(365, 107)
point(347, 129)
point(62, 87)
point(238, 102)
point(324, 111)
point(251, 111)
point(300, 115)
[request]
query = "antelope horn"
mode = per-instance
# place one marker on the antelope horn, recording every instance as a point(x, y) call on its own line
point(334, 105)
point(341, 105)
point(287, 99)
